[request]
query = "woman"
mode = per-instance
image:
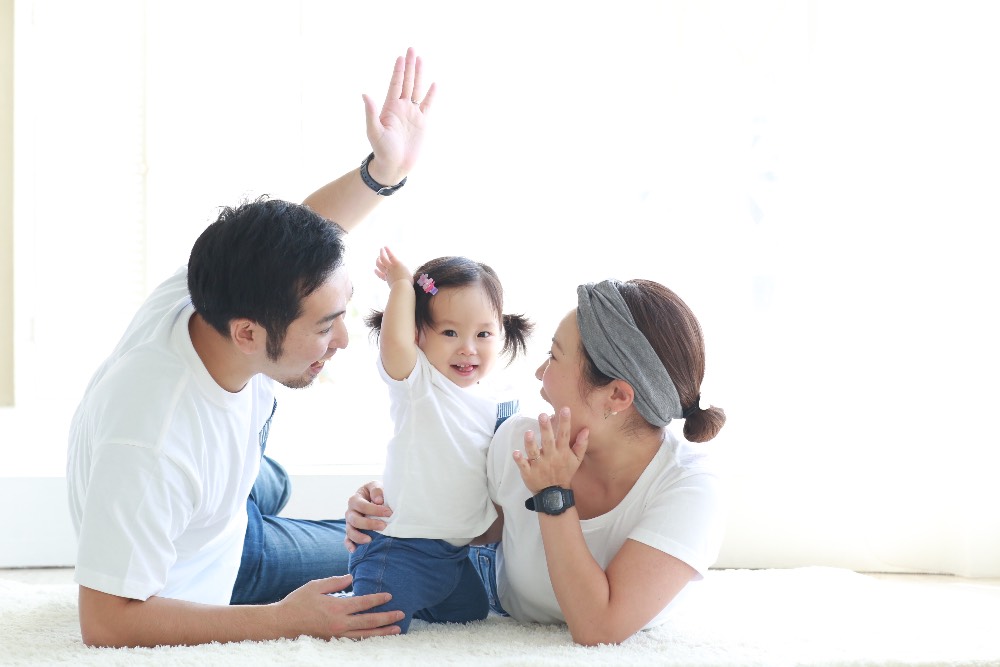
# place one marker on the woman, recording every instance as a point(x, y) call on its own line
point(625, 515)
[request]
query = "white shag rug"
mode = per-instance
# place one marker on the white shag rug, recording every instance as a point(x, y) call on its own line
point(768, 618)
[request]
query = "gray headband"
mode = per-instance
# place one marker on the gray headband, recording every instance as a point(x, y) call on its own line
point(620, 351)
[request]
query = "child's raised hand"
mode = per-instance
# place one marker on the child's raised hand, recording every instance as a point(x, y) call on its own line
point(389, 268)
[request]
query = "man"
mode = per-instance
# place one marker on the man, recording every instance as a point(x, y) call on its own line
point(166, 448)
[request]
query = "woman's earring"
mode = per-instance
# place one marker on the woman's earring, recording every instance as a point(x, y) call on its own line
point(608, 413)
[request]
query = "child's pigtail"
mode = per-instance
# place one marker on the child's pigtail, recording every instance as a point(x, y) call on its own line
point(516, 329)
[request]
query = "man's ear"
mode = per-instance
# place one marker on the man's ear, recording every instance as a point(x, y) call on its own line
point(248, 336)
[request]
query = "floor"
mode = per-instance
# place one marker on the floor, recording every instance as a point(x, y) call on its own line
point(991, 586)
point(45, 575)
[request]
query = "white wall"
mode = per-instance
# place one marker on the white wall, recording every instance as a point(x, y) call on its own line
point(816, 179)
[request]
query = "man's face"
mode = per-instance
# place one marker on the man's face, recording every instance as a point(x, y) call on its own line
point(315, 335)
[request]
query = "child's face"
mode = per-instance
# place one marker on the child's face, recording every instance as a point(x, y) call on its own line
point(465, 338)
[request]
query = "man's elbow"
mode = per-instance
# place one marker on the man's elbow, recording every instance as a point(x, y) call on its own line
point(98, 627)
point(98, 634)
point(93, 640)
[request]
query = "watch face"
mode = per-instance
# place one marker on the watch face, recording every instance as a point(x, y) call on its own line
point(552, 501)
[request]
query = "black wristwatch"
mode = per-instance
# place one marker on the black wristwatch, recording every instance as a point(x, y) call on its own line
point(384, 190)
point(551, 500)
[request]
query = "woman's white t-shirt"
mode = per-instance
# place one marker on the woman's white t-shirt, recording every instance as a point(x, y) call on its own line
point(675, 506)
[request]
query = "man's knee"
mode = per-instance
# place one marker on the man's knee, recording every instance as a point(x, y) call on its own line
point(272, 488)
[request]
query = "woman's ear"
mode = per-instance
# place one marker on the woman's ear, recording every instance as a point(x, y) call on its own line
point(621, 397)
point(247, 335)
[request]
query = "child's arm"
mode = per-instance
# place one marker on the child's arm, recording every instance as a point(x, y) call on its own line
point(495, 532)
point(398, 334)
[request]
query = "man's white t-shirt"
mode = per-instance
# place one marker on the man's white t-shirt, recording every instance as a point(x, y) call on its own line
point(161, 461)
point(435, 471)
point(675, 506)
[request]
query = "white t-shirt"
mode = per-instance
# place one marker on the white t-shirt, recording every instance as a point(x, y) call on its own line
point(435, 471)
point(161, 461)
point(675, 506)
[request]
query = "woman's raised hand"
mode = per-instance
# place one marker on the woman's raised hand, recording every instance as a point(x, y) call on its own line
point(552, 461)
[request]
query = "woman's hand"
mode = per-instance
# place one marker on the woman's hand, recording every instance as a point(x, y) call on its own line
point(397, 132)
point(363, 510)
point(554, 461)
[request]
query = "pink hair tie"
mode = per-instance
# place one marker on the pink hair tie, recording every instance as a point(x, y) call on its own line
point(427, 284)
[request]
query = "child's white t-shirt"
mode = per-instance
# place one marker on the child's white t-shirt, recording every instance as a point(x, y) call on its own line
point(435, 471)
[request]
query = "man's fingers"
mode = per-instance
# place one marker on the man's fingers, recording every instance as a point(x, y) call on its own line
point(415, 93)
point(371, 509)
point(354, 535)
point(361, 521)
point(372, 124)
point(425, 105)
point(351, 621)
point(396, 82)
point(375, 632)
point(406, 90)
point(357, 604)
point(379, 623)
point(333, 584)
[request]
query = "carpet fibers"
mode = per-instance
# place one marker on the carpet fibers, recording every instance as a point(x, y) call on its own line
point(801, 616)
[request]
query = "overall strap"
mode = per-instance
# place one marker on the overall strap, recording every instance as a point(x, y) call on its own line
point(505, 410)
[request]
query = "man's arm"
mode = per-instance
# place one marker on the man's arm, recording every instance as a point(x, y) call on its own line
point(109, 620)
point(395, 134)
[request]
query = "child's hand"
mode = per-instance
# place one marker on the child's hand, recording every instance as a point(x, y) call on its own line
point(390, 269)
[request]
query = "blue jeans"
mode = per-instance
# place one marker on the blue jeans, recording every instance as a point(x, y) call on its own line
point(429, 579)
point(484, 559)
point(281, 554)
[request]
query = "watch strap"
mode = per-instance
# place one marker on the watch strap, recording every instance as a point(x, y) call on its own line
point(536, 502)
point(384, 190)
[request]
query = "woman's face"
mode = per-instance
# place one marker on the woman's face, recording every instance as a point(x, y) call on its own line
point(561, 373)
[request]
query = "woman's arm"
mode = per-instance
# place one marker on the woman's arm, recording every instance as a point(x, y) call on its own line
point(396, 135)
point(600, 606)
point(397, 339)
point(607, 607)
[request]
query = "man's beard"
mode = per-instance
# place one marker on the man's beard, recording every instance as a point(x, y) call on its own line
point(300, 382)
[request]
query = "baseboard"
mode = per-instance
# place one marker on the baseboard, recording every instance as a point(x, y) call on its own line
point(36, 528)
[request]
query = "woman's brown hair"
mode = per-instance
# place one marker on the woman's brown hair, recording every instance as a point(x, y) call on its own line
point(676, 336)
